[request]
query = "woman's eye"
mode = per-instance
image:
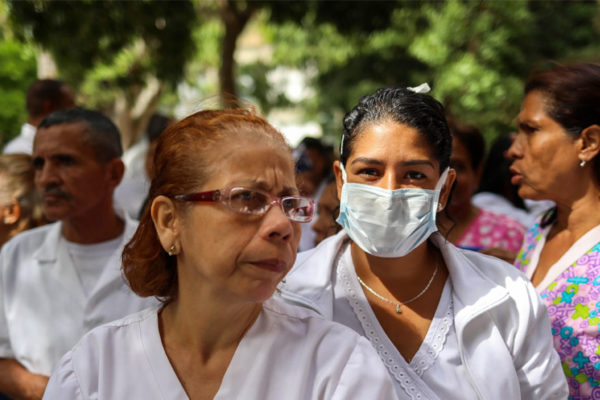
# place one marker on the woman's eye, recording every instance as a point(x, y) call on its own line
point(527, 129)
point(368, 172)
point(415, 175)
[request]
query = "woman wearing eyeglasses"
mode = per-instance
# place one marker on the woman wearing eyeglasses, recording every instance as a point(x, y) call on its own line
point(448, 323)
point(221, 232)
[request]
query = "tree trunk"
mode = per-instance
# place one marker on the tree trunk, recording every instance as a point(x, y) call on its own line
point(235, 16)
point(132, 111)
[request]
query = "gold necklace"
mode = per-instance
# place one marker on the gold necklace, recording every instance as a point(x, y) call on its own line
point(400, 304)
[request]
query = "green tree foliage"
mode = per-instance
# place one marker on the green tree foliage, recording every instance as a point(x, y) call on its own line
point(17, 71)
point(118, 55)
point(82, 34)
point(474, 54)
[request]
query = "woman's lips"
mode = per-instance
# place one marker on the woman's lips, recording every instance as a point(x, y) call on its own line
point(272, 264)
point(516, 179)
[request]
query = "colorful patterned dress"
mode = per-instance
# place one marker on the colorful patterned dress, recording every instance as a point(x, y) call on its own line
point(571, 292)
point(489, 230)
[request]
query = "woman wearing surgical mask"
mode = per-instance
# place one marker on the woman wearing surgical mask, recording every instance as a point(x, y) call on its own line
point(448, 323)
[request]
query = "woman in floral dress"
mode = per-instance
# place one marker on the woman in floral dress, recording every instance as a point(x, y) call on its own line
point(555, 157)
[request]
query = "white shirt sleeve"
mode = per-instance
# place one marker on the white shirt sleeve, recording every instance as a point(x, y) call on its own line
point(536, 361)
point(63, 383)
point(5, 346)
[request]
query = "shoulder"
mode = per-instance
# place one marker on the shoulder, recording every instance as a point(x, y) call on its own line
point(493, 268)
point(113, 337)
point(30, 240)
point(100, 357)
point(309, 283)
point(131, 226)
point(317, 262)
point(473, 272)
point(307, 324)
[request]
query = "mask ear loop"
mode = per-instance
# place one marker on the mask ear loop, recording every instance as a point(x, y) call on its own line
point(440, 185)
point(343, 170)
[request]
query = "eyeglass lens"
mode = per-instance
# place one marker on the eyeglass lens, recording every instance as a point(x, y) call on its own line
point(248, 201)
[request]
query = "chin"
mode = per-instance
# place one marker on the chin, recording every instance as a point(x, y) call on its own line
point(263, 292)
point(528, 193)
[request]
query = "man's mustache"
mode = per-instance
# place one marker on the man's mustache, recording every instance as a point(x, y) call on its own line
point(56, 191)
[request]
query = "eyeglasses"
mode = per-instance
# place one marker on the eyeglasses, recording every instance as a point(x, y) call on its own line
point(256, 202)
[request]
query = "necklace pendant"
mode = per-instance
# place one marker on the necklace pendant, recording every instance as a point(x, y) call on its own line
point(398, 309)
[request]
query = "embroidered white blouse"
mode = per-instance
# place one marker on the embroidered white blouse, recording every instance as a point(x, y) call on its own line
point(427, 376)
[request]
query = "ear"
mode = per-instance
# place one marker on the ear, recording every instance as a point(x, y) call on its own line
point(337, 170)
point(115, 169)
point(166, 222)
point(445, 192)
point(12, 213)
point(589, 143)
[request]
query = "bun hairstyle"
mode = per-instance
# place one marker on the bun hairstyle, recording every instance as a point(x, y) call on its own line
point(404, 106)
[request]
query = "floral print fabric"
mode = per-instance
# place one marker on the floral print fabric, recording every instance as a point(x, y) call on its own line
point(573, 302)
point(491, 230)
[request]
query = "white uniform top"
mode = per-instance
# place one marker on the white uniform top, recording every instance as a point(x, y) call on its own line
point(496, 344)
point(22, 143)
point(133, 189)
point(44, 309)
point(288, 353)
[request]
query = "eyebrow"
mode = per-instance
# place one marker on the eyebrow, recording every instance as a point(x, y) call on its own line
point(379, 162)
point(262, 185)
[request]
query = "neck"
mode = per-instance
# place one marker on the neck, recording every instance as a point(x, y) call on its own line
point(35, 121)
point(580, 215)
point(202, 322)
point(93, 227)
point(410, 268)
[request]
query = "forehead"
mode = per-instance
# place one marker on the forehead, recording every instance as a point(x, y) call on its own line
point(391, 140)
point(534, 107)
point(259, 164)
point(61, 138)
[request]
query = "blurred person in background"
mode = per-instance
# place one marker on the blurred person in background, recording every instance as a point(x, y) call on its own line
point(497, 194)
point(221, 233)
point(327, 212)
point(448, 323)
point(555, 157)
point(314, 161)
point(21, 206)
point(43, 97)
point(132, 192)
point(60, 280)
point(466, 225)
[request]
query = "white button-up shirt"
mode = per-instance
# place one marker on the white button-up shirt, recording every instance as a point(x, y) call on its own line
point(44, 309)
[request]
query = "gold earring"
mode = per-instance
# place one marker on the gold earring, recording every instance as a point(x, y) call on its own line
point(171, 250)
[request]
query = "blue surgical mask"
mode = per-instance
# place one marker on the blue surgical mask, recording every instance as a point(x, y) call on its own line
point(388, 223)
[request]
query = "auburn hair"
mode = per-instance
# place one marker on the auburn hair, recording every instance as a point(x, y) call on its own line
point(183, 162)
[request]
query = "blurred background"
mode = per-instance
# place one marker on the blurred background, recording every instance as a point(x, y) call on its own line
point(303, 63)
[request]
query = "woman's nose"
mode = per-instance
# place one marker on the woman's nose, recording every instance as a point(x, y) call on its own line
point(515, 150)
point(276, 224)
